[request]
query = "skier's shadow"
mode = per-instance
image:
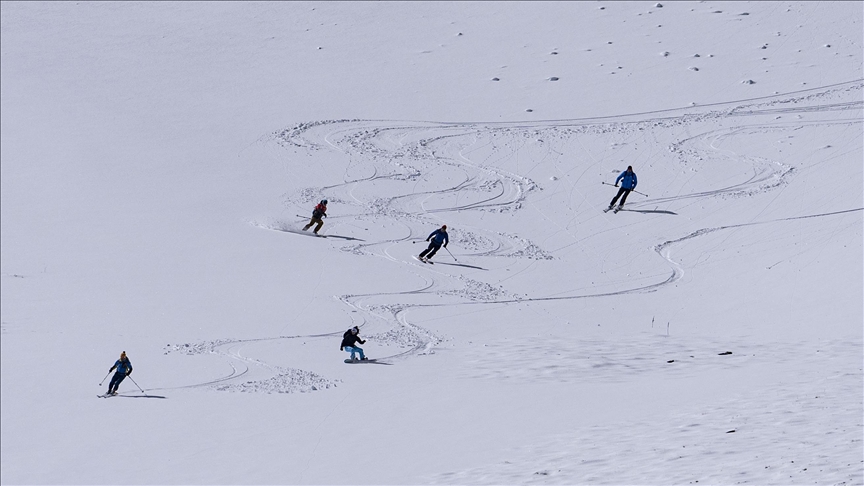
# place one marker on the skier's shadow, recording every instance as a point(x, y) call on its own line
point(344, 237)
point(650, 211)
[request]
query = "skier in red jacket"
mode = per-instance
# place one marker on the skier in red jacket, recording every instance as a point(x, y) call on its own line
point(319, 212)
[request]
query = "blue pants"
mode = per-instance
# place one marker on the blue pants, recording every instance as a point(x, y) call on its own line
point(115, 381)
point(355, 349)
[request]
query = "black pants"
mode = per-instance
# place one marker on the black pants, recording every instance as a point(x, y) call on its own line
point(431, 251)
point(621, 191)
point(115, 381)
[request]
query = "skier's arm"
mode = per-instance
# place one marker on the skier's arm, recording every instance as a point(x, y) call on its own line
point(129, 371)
point(446, 240)
point(618, 179)
point(115, 365)
point(634, 181)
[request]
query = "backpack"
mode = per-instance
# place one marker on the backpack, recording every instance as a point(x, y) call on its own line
point(319, 211)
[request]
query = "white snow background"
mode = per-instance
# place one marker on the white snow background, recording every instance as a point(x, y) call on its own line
point(156, 158)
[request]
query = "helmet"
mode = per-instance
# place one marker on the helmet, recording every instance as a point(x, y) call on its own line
point(444, 227)
point(324, 201)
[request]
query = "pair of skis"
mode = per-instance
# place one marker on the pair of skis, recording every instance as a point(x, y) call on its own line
point(614, 210)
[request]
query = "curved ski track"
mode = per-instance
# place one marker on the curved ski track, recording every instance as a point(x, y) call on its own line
point(472, 156)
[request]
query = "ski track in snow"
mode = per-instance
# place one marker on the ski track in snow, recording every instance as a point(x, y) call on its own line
point(476, 160)
point(279, 380)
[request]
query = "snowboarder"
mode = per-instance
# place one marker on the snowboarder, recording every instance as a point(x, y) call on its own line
point(124, 369)
point(349, 343)
point(627, 184)
point(438, 237)
point(319, 212)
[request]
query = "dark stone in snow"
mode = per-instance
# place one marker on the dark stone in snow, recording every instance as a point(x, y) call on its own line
point(725, 353)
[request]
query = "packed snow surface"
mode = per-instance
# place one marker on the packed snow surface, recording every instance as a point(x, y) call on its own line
point(159, 161)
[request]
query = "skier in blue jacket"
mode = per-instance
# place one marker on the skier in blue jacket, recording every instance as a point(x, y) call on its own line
point(628, 183)
point(124, 369)
point(438, 238)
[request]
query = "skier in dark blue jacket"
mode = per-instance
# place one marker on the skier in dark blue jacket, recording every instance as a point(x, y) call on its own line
point(438, 238)
point(124, 369)
point(628, 183)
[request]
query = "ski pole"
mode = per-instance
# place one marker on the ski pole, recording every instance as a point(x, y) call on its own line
point(103, 379)
point(136, 384)
point(632, 190)
point(448, 251)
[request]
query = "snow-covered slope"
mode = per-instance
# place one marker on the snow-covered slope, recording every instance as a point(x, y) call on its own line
point(158, 160)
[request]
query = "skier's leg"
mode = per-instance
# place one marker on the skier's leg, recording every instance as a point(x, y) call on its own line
point(360, 350)
point(427, 250)
point(122, 376)
point(620, 191)
point(319, 223)
point(311, 222)
point(624, 198)
point(112, 382)
point(432, 253)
